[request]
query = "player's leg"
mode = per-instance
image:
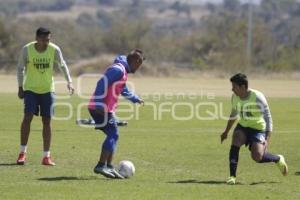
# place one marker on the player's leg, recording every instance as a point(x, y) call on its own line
point(101, 168)
point(258, 149)
point(46, 102)
point(260, 155)
point(110, 144)
point(104, 165)
point(238, 139)
point(24, 135)
point(108, 147)
point(107, 124)
point(101, 122)
point(25, 129)
point(30, 108)
point(47, 133)
point(109, 159)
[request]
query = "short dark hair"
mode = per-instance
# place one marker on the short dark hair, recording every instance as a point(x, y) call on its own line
point(136, 53)
point(42, 31)
point(240, 79)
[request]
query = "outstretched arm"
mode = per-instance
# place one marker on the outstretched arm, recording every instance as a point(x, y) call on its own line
point(131, 96)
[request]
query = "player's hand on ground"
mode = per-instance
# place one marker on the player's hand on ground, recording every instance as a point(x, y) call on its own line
point(70, 88)
point(223, 136)
point(21, 93)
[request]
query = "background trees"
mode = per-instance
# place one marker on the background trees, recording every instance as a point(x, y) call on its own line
point(211, 36)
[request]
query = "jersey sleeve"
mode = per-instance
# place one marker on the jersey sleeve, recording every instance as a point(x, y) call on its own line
point(21, 66)
point(130, 95)
point(264, 107)
point(234, 112)
point(60, 63)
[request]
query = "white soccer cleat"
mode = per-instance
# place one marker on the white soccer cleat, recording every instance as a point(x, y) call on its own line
point(104, 171)
point(281, 164)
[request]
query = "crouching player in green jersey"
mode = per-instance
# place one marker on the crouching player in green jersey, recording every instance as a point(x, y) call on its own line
point(254, 127)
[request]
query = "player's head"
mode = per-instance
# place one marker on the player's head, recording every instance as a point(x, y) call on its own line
point(135, 59)
point(42, 36)
point(239, 84)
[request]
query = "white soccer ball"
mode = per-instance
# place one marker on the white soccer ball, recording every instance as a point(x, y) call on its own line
point(126, 168)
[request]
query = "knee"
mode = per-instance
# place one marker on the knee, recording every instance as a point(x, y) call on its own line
point(114, 137)
point(256, 156)
point(110, 142)
point(27, 118)
point(112, 133)
point(46, 121)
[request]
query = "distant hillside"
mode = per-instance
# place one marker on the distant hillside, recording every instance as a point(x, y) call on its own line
point(185, 35)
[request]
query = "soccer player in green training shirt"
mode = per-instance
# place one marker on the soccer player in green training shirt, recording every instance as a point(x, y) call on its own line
point(36, 87)
point(254, 127)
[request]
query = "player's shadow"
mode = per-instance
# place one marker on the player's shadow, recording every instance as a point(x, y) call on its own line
point(209, 182)
point(8, 164)
point(264, 182)
point(67, 178)
point(297, 173)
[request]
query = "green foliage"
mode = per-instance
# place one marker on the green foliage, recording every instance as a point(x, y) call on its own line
point(274, 37)
point(106, 2)
point(126, 35)
point(6, 47)
point(216, 41)
point(13, 7)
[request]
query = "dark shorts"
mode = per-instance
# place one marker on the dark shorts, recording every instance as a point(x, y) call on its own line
point(39, 104)
point(103, 122)
point(252, 135)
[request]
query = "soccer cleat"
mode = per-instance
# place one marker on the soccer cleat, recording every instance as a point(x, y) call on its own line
point(281, 164)
point(115, 173)
point(231, 180)
point(104, 171)
point(47, 161)
point(122, 123)
point(21, 158)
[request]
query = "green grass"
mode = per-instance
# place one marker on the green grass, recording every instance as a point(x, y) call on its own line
point(173, 159)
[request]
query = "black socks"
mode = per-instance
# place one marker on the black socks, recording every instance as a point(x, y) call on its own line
point(268, 157)
point(233, 159)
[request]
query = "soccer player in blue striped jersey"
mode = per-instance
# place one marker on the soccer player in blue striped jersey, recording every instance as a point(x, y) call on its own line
point(254, 126)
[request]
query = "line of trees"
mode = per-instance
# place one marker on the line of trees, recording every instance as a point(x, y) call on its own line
point(216, 41)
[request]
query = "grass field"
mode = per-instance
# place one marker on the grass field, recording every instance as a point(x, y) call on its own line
point(174, 159)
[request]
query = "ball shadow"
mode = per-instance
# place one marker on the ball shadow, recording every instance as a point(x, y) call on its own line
point(297, 173)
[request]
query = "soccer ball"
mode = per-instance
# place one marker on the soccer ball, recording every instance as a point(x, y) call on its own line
point(126, 168)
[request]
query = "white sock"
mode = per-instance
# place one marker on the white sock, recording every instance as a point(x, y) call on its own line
point(23, 148)
point(46, 153)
